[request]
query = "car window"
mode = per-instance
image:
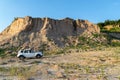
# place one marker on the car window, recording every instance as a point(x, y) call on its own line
point(21, 51)
point(25, 51)
point(30, 51)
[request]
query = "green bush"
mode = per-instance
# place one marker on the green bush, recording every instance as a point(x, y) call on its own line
point(60, 52)
point(13, 55)
point(114, 23)
point(2, 53)
point(3, 69)
point(115, 44)
point(115, 29)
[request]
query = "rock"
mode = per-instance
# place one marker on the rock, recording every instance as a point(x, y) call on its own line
point(59, 75)
point(55, 71)
point(31, 79)
point(11, 61)
point(8, 52)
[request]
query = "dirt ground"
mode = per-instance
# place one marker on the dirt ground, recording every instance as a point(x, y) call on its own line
point(89, 65)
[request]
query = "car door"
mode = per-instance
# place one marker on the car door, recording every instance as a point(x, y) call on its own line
point(26, 53)
point(30, 53)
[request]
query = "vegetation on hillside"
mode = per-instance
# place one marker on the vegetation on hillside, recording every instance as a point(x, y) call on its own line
point(11, 52)
point(110, 26)
point(2, 51)
point(83, 43)
point(80, 43)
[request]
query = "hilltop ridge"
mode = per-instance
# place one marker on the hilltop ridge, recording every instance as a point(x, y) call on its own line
point(35, 32)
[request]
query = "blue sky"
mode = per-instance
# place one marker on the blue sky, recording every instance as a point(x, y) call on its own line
point(92, 10)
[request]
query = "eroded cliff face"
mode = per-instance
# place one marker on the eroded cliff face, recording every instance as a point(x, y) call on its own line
point(34, 32)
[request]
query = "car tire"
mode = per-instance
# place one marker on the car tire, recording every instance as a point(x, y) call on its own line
point(21, 57)
point(38, 56)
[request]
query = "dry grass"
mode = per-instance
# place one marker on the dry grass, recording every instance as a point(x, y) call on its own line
point(93, 65)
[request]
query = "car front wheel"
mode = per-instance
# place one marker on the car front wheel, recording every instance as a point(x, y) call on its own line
point(21, 57)
point(38, 56)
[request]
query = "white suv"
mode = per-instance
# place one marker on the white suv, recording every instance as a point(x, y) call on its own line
point(28, 53)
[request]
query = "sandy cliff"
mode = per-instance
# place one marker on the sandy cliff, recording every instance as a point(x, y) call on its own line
point(30, 31)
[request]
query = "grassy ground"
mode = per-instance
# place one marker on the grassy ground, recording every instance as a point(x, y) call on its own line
point(72, 65)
